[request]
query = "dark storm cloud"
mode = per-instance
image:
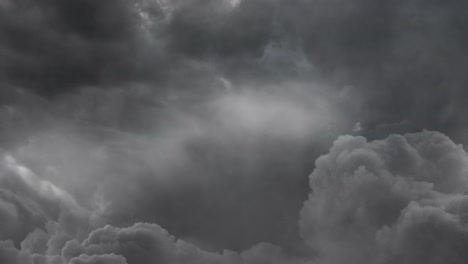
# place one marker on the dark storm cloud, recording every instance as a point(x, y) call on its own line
point(402, 57)
point(211, 28)
point(51, 46)
point(29, 201)
point(397, 200)
point(140, 243)
point(393, 52)
point(205, 117)
point(201, 172)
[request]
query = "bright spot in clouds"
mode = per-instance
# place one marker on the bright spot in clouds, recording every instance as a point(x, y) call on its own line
point(234, 3)
point(43, 187)
point(268, 114)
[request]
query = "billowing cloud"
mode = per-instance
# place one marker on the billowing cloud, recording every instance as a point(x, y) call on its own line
point(140, 243)
point(203, 119)
point(168, 156)
point(397, 200)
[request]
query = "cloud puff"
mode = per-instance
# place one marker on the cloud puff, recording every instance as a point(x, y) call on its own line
point(203, 113)
point(176, 154)
point(98, 259)
point(373, 46)
point(138, 244)
point(397, 200)
point(28, 201)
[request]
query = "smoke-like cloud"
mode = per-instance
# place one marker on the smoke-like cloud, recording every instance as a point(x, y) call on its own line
point(120, 120)
point(175, 156)
point(397, 200)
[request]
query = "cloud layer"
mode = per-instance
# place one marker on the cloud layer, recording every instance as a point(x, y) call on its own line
point(397, 200)
point(168, 131)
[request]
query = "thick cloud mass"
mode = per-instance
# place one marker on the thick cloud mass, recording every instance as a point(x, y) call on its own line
point(140, 243)
point(183, 131)
point(397, 200)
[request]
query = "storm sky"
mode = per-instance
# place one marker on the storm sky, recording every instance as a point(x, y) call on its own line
point(233, 132)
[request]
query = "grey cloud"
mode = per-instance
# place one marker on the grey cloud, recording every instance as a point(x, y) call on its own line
point(102, 259)
point(140, 243)
point(206, 117)
point(10, 254)
point(372, 46)
point(402, 56)
point(186, 159)
point(388, 201)
point(385, 201)
point(30, 202)
point(425, 234)
point(53, 45)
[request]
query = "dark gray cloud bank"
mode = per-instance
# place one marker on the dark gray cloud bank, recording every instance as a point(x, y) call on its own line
point(183, 131)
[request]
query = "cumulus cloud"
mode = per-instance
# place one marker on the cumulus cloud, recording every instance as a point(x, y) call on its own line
point(176, 155)
point(401, 199)
point(29, 201)
point(204, 117)
point(140, 243)
point(396, 200)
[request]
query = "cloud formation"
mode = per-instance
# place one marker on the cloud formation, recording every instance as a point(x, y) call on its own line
point(397, 200)
point(204, 117)
point(139, 243)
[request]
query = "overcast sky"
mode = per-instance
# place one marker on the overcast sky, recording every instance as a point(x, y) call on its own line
point(233, 132)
